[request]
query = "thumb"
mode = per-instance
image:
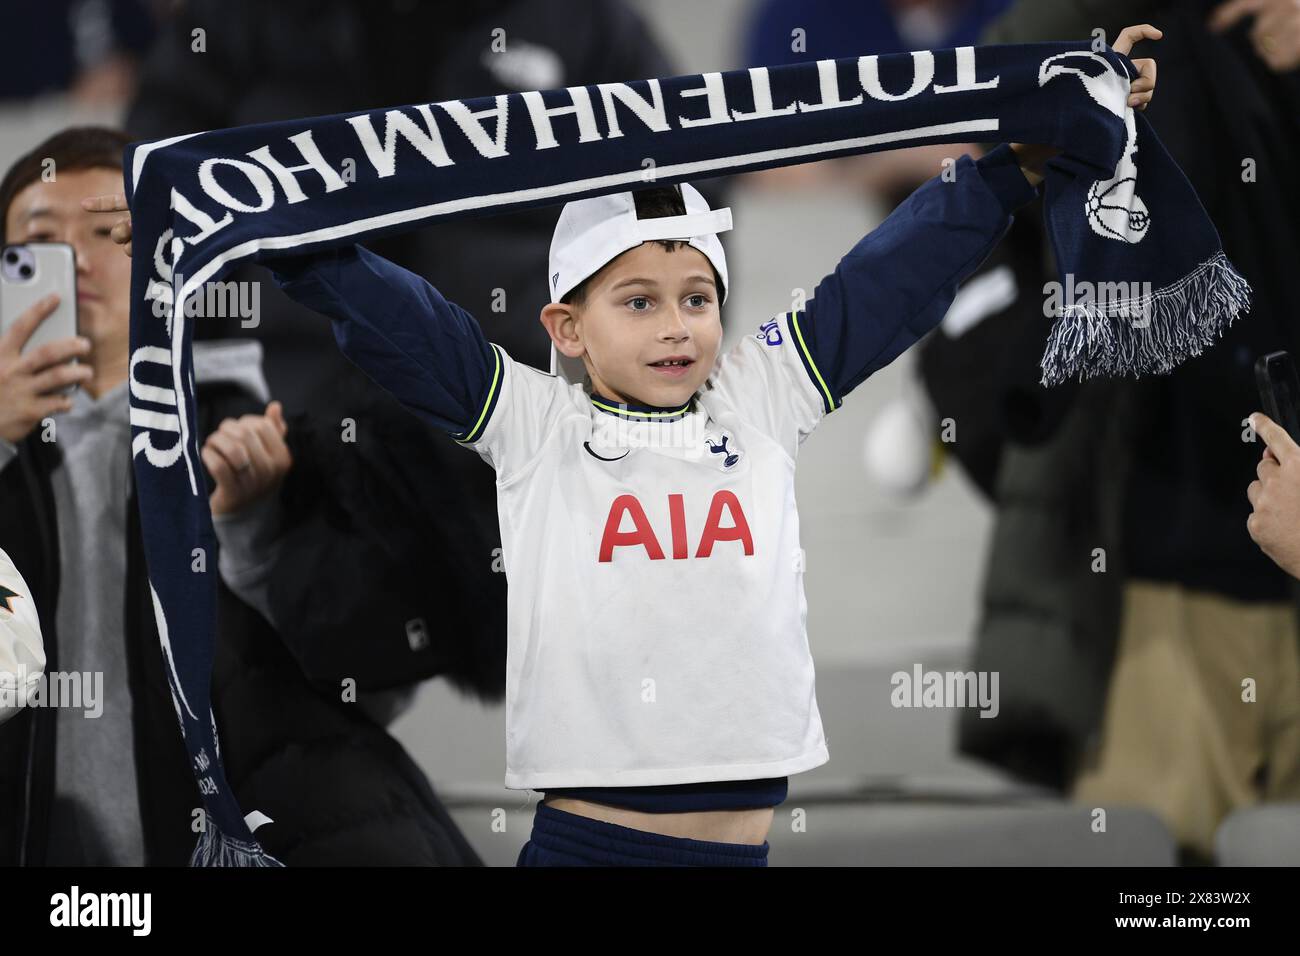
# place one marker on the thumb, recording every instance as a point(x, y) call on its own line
point(1274, 435)
point(275, 412)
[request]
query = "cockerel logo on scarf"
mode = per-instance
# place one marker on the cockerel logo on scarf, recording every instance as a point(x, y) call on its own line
point(1113, 208)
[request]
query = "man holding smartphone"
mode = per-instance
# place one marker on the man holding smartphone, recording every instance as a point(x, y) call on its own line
point(72, 476)
point(110, 786)
point(115, 787)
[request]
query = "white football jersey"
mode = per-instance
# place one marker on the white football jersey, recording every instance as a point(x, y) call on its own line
point(656, 610)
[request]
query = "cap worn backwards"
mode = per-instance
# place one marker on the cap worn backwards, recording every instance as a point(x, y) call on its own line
point(593, 231)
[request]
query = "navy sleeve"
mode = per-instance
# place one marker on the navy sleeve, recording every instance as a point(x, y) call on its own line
point(897, 283)
point(430, 354)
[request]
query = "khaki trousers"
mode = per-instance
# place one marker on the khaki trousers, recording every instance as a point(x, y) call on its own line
point(1180, 735)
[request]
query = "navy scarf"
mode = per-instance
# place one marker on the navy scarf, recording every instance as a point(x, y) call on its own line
point(1117, 209)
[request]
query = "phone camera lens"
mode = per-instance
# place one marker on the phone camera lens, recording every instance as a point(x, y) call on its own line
point(11, 257)
point(25, 272)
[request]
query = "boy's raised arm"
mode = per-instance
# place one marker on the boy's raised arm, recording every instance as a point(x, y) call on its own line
point(427, 352)
point(897, 283)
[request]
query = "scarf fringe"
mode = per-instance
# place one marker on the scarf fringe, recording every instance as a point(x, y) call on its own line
point(1153, 333)
point(219, 849)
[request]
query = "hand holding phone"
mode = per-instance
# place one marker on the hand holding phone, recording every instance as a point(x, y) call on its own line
point(1279, 390)
point(32, 380)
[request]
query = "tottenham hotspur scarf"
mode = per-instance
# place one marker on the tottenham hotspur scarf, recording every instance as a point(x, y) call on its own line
point(1117, 208)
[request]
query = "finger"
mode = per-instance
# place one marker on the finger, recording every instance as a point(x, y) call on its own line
point(1146, 81)
point(17, 335)
point(1268, 454)
point(250, 434)
point(1131, 35)
point(113, 202)
point(59, 376)
point(121, 232)
point(263, 468)
point(1227, 14)
point(234, 450)
point(1267, 469)
point(222, 473)
point(260, 465)
point(53, 353)
point(278, 460)
point(1274, 436)
point(260, 434)
point(53, 405)
point(1253, 491)
point(269, 435)
point(276, 412)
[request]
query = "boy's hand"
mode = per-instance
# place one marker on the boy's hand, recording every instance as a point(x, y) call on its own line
point(1274, 523)
point(248, 458)
point(1033, 157)
point(1144, 87)
point(121, 231)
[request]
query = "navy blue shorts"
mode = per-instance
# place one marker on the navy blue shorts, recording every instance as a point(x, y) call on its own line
point(560, 838)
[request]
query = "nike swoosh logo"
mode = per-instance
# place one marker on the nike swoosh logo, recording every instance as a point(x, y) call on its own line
point(587, 445)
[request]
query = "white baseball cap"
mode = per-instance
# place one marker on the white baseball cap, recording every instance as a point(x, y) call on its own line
point(592, 232)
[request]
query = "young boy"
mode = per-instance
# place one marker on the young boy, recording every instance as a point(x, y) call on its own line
point(659, 683)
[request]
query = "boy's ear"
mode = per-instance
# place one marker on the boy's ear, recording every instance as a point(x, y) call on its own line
point(559, 320)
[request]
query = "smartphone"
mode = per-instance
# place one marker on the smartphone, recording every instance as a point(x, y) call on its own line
point(1279, 390)
point(28, 273)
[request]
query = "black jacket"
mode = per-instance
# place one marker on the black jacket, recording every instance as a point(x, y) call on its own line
point(389, 568)
point(339, 789)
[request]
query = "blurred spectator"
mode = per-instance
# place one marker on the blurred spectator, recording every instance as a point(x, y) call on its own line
point(112, 786)
point(88, 48)
point(795, 31)
point(1124, 603)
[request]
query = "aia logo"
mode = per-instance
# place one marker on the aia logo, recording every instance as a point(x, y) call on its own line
point(720, 448)
point(769, 332)
point(643, 534)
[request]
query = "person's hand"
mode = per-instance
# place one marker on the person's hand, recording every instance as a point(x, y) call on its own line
point(1275, 34)
point(1033, 157)
point(27, 380)
point(248, 458)
point(114, 202)
point(1274, 523)
point(1143, 88)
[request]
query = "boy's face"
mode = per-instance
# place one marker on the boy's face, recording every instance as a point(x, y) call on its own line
point(645, 306)
point(51, 212)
